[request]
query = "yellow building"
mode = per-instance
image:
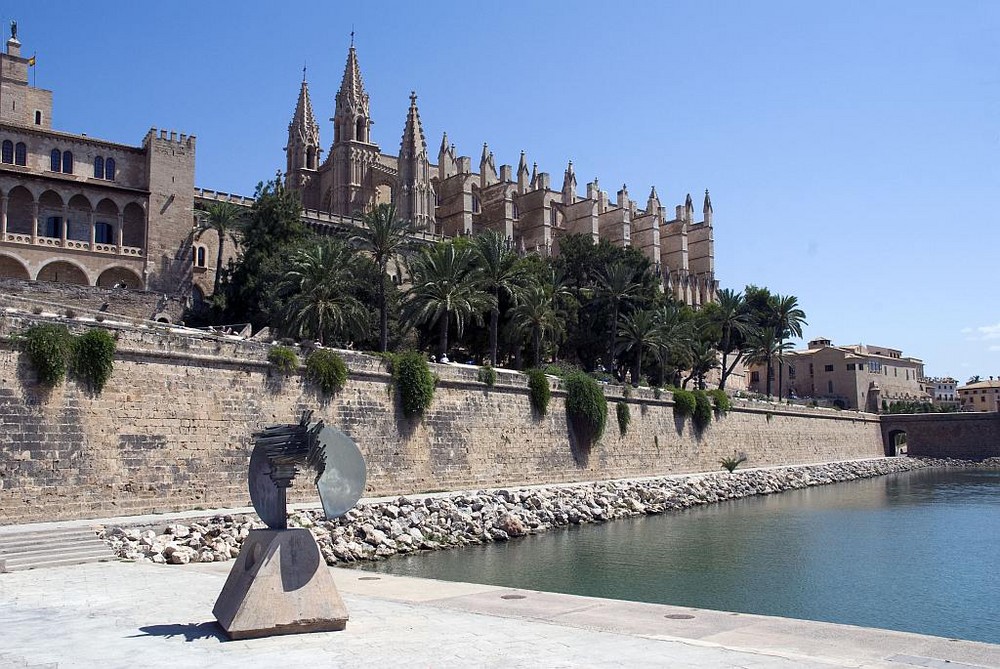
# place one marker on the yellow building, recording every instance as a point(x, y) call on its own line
point(981, 396)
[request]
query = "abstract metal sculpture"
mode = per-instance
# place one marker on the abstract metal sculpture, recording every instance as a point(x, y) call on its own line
point(280, 583)
point(280, 453)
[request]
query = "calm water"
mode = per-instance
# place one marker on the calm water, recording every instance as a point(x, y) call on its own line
point(918, 552)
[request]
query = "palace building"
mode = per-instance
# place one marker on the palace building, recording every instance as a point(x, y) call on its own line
point(79, 210)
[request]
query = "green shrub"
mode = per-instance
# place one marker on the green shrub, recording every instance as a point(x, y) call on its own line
point(702, 409)
point(283, 359)
point(626, 391)
point(94, 358)
point(586, 406)
point(657, 392)
point(560, 369)
point(487, 375)
point(538, 384)
point(49, 348)
point(414, 382)
point(624, 417)
point(731, 463)
point(720, 399)
point(327, 370)
point(684, 402)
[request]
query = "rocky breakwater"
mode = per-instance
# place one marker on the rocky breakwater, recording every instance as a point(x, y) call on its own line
point(378, 530)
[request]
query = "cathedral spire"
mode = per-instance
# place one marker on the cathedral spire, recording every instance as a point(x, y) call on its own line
point(413, 144)
point(487, 168)
point(302, 151)
point(351, 117)
point(522, 174)
point(706, 209)
point(653, 203)
point(416, 197)
point(569, 185)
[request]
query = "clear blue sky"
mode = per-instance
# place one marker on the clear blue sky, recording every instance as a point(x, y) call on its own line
point(851, 148)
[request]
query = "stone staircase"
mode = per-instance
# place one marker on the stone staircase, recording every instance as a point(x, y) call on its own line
point(35, 549)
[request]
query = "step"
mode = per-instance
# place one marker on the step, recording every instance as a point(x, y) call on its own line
point(28, 544)
point(57, 562)
point(55, 547)
point(85, 555)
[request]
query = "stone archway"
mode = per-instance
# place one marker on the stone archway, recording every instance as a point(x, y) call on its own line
point(61, 271)
point(12, 268)
point(119, 277)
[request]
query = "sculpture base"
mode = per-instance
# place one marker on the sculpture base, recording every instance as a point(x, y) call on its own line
point(280, 584)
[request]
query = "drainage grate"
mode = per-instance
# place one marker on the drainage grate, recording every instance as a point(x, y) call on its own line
point(512, 597)
point(679, 616)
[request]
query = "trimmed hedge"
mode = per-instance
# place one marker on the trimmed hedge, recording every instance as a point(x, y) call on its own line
point(538, 384)
point(586, 406)
point(283, 359)
point(624, 415)
point(414, 382)
point(327, 370)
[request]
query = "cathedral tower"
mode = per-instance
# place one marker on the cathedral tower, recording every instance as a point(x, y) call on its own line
point(347, 188)
point(303, 149)
point(416, 200)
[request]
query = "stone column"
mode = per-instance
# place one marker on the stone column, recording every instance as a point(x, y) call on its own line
point(121, 231)
point(34, 222)
point(64, 232)
point(3, 218)
point(93, 231)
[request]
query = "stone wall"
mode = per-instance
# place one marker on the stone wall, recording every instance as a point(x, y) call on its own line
point(974, 436)
point(171, 431)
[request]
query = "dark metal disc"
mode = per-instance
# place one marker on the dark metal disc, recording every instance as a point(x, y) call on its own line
point(343, 480)
point(268, 500)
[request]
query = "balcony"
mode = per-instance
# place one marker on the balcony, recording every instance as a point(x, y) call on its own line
point(73, 244)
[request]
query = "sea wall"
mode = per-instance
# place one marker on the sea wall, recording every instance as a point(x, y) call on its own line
point(171, 430)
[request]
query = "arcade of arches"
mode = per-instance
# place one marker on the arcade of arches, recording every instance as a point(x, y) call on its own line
point(97, 228)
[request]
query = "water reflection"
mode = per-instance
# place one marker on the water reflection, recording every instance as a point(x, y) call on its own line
point(915, 552)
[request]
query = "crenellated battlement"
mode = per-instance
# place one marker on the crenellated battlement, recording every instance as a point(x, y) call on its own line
point(168, 137)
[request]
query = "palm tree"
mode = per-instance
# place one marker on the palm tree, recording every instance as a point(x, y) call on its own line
point(444, 286)
point(536, 315)
point(498, 271)
point(226, 219)
point(385, 237)
point(763, 347)
point(735, 323)
point(703, 358)
point(317, 285)
point(617, 285)
point(676, 332)
point(638, 333)
point(789, 319)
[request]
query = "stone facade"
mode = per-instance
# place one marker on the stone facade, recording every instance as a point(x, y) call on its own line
point(85, 211)
point(858, 376)
point(981, 396)
point(79, 210)
point(449, 198)
point(172, 427)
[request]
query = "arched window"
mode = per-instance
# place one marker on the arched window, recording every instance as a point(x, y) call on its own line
point(38, 117)
point(201, 256)
point(516, 211)
point(476, 206)
point(55, 164)
point(361, 130)
point(67, 165)
point(104, 233)
point(20, 154)
point(53, 226)
point(109, 169)
point(553, 217)
point(7, 154)
point(98, 167)
point(310, 158)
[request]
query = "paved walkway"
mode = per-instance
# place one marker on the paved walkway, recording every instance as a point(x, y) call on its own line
point(142, 615)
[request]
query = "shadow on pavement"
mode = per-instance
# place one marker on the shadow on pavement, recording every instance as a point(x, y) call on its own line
point(190, 631)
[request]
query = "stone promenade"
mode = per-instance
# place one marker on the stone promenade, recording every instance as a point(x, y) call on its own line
point(142, 615)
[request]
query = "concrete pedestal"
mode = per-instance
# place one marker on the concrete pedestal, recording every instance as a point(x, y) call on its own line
point(280, 584)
